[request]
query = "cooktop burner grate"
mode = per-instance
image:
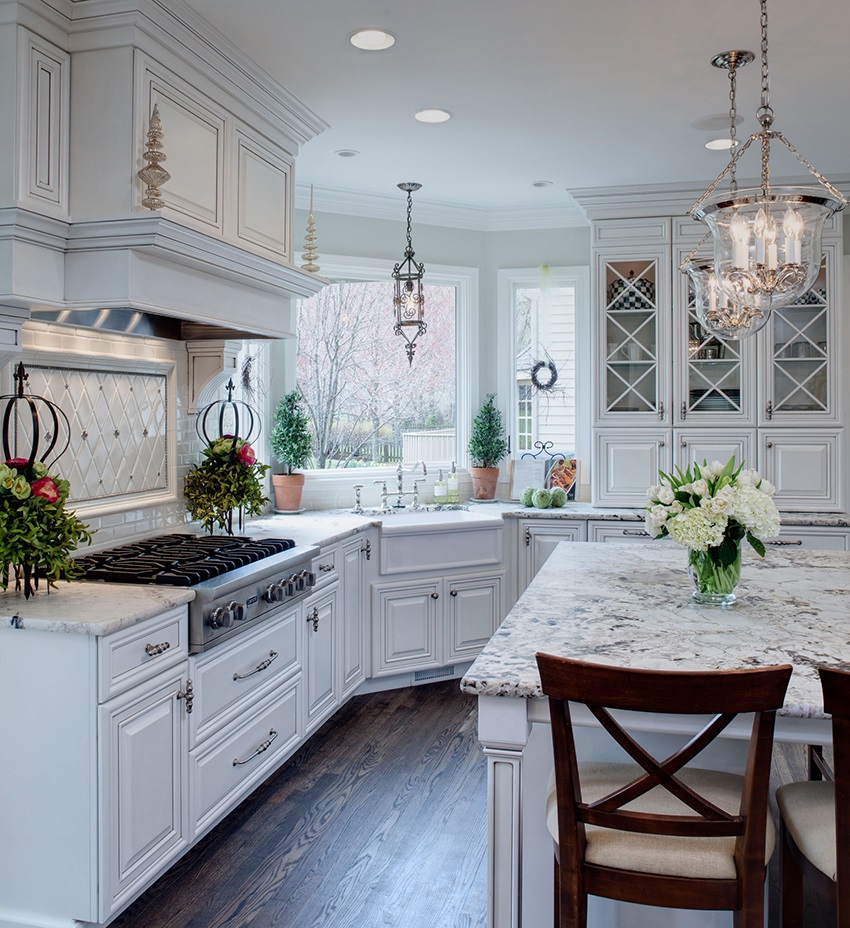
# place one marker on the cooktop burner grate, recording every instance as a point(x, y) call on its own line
point(179, 559)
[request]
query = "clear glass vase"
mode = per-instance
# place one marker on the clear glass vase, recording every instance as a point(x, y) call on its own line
point(714, 584)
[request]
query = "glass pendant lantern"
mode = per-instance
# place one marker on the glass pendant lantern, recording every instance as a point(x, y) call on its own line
point(767, 240)
point(409, 301)
point(715, 312)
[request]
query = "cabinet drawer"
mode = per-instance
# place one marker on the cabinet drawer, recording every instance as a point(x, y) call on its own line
point(139, 653)
point(325, 567)
point(231, 674)
point(225, 769)
point(619, 532)
point(823, 539)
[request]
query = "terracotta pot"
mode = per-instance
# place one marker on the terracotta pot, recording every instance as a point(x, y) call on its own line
point(484, 481)
point(287, 491)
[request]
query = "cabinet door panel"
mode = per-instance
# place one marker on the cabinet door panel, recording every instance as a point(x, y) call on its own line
point(804, 467)
point(475, 610)
point(405, 627)
point(320, 658)
point(714, 445)
point(538, 539)
point(143, 771)
point(626, 463)
point(263, 197)
point(353, 625)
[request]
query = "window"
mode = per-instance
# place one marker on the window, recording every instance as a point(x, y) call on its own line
point(367, 405)
point(543, 318)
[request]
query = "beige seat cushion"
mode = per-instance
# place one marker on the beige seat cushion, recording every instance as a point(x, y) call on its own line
point(809, 813)
point(707, 858)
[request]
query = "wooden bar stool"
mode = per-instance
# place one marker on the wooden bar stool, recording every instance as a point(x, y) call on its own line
point(659, 831)
point(814, 812)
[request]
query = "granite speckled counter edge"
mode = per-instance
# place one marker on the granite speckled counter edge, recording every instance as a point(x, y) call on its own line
point(89, 608)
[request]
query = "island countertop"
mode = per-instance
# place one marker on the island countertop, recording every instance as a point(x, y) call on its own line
point(631, 605)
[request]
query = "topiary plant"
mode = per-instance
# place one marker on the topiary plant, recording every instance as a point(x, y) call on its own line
point(290, 437)
point(487, 443)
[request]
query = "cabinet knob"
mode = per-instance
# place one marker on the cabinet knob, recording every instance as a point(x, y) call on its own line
point(435, 596)
point(684, 443)
point(770, 444)
point(453, 592)
point(661, 443)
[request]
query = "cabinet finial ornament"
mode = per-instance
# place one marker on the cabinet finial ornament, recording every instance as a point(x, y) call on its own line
point(153, 174)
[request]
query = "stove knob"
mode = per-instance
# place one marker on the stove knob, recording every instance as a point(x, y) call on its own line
point(221, 618)
point(273, 593)
point(309, 577)
point(298, 580)
point(237, 610)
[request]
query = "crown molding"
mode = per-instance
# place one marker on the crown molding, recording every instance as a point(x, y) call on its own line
point(646, 200)
point(451, 216)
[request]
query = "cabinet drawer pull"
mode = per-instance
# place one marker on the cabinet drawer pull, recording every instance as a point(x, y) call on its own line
point(636, 531)
point(435, 596)
point(153, 649)
point(326, 568)
point(260, 750)
point(453, 592)
point(368, 550)
point(263, 665)
point(661, 410)
point(783, 542)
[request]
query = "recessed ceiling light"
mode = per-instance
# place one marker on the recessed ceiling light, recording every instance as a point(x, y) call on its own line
point(372, 40)
point(719, 144)
point(433, 115)
point(346, 153)
point(541, 183)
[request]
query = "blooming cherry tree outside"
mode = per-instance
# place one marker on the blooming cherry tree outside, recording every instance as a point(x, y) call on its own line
point(360, 393)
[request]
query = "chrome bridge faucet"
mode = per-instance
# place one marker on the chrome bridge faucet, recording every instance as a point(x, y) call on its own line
point(401, 492)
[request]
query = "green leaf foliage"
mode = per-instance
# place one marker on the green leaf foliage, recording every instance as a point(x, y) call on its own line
point(487, 443)
point(222, 483)
point(290, 436)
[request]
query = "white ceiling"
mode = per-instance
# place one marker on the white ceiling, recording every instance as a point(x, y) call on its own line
point(584, 93)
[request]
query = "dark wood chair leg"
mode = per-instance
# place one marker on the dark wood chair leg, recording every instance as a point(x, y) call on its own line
point(570, 900)
point(790, 884)
point(751, 913)
point(557, 899)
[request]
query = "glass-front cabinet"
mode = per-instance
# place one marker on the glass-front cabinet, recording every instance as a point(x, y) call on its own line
point(633, 326)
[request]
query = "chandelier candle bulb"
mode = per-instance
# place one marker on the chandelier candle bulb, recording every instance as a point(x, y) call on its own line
point(740, 233)
point(792, 226)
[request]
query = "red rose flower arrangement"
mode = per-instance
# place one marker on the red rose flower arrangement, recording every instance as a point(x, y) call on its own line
point(229, 477)
point(37, 532)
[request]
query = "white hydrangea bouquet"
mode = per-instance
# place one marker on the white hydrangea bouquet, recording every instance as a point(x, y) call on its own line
point(711, 509)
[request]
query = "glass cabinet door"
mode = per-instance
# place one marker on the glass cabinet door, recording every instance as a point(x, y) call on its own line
point(631, 383)
point(799, 343)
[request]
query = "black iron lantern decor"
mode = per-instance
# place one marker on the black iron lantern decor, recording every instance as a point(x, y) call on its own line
point(229, 477)
point(37, 533)
point(409, 300)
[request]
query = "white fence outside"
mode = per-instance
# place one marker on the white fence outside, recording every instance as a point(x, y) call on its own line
point(432, 445)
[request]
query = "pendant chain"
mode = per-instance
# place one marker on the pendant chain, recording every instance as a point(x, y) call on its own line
point(409, 226)
point(733, 118)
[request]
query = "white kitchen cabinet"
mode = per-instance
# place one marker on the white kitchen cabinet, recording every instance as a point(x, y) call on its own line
point(404, 626)
point(617, 532)
point(356, 567)
point(143, 764)
point(538, 538)
point(669, 392)
point(475, 607)
point(321, 650)
point(805, 465)
point(824, 538)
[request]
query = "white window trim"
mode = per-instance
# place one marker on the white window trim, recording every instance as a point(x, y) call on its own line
point(509, 280)
point(465, 282)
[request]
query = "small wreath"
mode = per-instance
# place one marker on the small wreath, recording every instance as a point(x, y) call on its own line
point(548, 382)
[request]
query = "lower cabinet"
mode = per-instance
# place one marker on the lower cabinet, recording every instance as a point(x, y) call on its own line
point(143, 752)
point(422, 624)
point(611, 530)
point(320, 657)
point(538, 538)
point(356, 565)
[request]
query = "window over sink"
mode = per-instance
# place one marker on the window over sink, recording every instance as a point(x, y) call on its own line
point(367, 405)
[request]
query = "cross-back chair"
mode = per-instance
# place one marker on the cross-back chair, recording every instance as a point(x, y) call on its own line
point(660, 831)
point(813, 813)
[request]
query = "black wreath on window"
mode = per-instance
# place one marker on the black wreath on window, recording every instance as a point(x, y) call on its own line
point(547, 382)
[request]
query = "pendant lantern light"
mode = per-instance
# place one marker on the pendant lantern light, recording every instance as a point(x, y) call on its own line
point(767, 240)
point(716, 313)
point(409, 301)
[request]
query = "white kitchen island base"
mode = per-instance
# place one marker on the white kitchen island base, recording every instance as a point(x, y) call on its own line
point(630, 605)
point(516, 738)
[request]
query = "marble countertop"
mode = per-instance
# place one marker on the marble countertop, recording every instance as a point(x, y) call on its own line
point(89, 608)
point(631, 605)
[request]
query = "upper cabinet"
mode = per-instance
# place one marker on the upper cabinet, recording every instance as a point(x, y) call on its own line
point(667, 392)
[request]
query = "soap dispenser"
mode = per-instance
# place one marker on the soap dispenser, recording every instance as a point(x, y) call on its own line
point(452, 490)
point(440, 489)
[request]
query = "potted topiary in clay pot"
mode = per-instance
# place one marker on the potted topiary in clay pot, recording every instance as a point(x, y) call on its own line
point(291, 445)
point(487, 446)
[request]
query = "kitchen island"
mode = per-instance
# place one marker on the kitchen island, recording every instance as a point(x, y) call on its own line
point(630, 605)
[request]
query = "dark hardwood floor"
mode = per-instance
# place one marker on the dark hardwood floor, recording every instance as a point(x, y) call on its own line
point(379, 821)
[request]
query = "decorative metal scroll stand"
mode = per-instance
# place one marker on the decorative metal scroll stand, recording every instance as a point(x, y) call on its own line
point(545, 453)
point(249, 419)
point(26, 576)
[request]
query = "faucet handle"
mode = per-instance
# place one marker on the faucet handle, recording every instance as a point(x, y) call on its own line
point(357, 507)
